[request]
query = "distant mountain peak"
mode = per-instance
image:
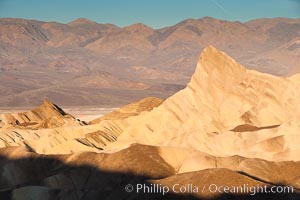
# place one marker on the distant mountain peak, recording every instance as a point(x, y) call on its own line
point(192, 20)
point(208, 18)
point(139, 26)
point(80, 21)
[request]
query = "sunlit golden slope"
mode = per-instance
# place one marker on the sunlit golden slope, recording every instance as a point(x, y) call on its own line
point(225, 110)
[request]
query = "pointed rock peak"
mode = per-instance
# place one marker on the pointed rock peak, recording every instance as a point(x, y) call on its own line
point(217, 59)
point(81, 21)
point(47, 102)
point(217, 67)
point(210, 48)
point(48, 105)
point(211, 53)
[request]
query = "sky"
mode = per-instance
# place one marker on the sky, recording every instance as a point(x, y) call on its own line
point(154, 13)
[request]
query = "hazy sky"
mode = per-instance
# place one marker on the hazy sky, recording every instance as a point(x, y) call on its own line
point(155, 13)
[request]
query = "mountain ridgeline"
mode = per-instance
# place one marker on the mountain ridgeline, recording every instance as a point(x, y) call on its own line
point(116, 66)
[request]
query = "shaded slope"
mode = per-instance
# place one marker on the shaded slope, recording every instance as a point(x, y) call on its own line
point(26, 175)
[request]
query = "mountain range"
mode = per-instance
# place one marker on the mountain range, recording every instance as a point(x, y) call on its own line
point(87, 63)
